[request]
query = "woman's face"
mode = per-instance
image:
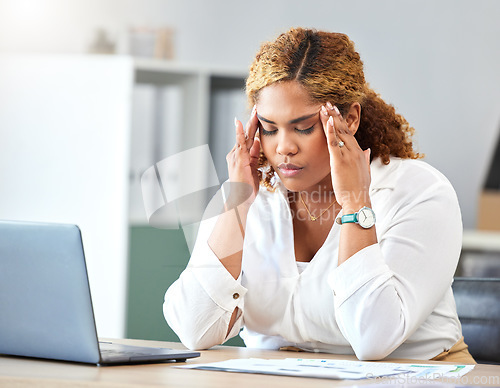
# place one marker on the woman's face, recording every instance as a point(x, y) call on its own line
point(292, 136)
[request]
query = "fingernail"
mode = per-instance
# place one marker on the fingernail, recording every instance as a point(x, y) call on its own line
point(235, 121)
point(336, 110)
point(323, 110)
point(330, 121)
point(329, 105)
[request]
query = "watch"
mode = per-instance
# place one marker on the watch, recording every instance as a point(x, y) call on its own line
point(365, 217)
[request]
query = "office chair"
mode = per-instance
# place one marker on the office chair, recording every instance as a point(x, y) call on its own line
point(478, 307)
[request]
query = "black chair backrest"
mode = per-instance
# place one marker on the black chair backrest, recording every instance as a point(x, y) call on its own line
point(478, 307)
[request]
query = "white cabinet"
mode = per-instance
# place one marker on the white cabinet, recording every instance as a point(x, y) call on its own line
point(64, 130)
point(66, 145)
point(177, 107)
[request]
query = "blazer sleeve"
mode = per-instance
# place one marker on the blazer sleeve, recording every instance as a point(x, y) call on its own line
point(384, 293)
point(199, 305)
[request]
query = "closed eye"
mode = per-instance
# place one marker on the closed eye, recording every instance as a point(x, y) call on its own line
point(273, 132)
point(267, 133)
point(305, 131)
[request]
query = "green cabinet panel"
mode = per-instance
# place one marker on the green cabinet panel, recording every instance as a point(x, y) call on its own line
point(156, 259)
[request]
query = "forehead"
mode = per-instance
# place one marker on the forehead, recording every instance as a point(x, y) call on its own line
point(283, 101)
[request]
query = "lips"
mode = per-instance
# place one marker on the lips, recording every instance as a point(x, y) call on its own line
point(288, 169)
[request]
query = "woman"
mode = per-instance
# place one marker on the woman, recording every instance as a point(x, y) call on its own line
point(345, 243)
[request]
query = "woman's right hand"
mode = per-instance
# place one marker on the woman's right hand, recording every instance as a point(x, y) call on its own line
point(242, 161)
point(227, 237)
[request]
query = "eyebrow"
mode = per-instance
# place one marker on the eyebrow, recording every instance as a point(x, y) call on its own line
point(294, 121)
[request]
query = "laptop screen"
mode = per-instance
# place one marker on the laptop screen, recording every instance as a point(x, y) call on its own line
point(45, 303)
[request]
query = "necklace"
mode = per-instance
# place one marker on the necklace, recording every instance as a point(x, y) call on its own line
point(311, 217)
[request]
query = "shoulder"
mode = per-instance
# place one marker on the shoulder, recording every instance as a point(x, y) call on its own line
point(413, 190)
point(401, 173)
point(410, 182)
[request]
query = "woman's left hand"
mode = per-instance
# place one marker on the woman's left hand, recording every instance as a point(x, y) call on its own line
point(350, 165)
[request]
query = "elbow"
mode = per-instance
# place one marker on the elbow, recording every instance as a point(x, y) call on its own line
point(193, 344)
point(188, 337)
point(375, 337)
point(371, 353)
point(188, 332)
point(201, 343)
point(374, 348)
point(376, 344)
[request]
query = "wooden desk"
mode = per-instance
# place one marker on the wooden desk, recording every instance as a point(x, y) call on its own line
point(20, 372)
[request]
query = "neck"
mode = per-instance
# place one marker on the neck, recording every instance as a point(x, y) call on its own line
point(317, 210)
point(319, 197)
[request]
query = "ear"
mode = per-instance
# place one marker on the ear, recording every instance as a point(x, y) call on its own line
point(353, 117)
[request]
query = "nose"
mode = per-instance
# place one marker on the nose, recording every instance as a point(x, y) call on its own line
point(286, 144)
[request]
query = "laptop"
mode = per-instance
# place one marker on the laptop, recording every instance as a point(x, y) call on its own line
point(45, 302)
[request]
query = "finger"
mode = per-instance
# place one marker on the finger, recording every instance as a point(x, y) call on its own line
point(367, 154)
point(342, 130)
point(329, 128)
point(333, 143)
point(255, 152)
point(340, 124)
point(251, 127)
point(344, 127)
point(252, 114)
point(332, 111)
point(344, 139)
point(323, 116)
point(240, 135)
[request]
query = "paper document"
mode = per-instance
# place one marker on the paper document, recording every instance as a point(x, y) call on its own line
point(335, 369)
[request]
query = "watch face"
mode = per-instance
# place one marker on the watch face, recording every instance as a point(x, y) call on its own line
point(366, 217)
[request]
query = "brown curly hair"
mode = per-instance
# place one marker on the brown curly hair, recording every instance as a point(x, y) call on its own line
point(329, 68)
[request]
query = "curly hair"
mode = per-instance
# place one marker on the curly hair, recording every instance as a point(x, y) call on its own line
point(329, 68)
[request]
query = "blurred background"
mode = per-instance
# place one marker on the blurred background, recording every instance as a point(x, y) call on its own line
point(94, 92)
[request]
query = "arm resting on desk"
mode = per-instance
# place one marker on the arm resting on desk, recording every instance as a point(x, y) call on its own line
point(384, 293)
point(199, 305)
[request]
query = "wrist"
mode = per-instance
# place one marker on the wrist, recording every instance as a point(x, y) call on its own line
point(364, 217)
point(239, 195)
point(353, 200)
point(238, 203)
point(354, 207)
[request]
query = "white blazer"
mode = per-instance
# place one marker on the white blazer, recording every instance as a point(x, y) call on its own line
point(393, 298)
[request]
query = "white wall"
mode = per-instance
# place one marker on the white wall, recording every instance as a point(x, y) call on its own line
point(435, 60)
point(64, 153)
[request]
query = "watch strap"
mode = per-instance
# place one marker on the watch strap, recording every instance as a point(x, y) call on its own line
point(347, 218)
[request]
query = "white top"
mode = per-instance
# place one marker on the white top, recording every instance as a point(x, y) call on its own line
point(301, 266)
point(393, 298)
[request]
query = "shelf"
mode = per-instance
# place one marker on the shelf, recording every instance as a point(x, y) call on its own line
point(179, 106)
point(481, 240)
point(176, 107)
point(174, 67)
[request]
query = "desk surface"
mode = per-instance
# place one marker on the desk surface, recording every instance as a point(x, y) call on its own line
point(21, 372)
